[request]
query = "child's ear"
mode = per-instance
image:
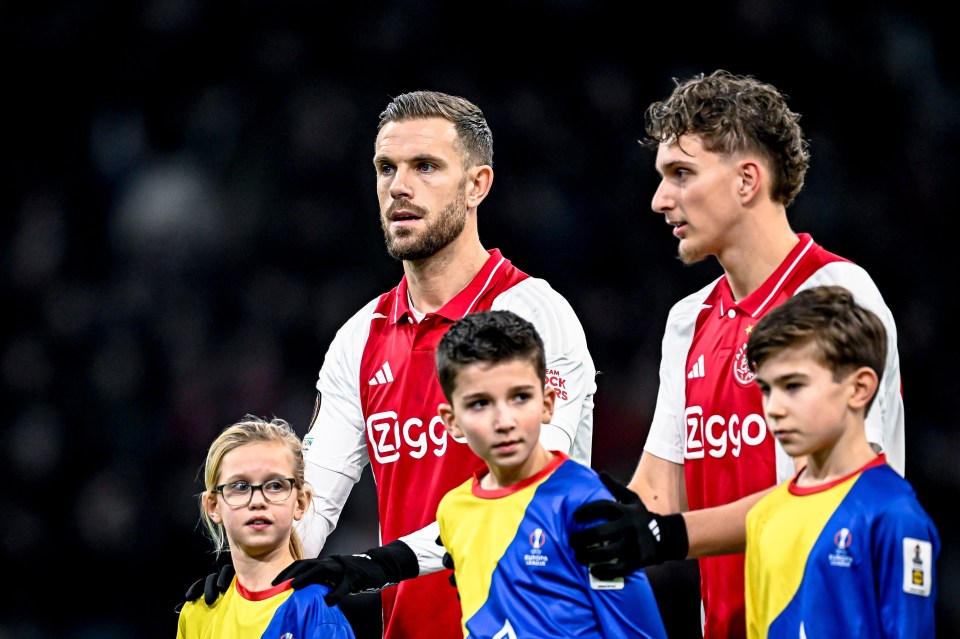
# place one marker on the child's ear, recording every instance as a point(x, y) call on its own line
point(304, 497)
point(449, 420)
point(864, 382)
point(210, 506)
point(549, 401)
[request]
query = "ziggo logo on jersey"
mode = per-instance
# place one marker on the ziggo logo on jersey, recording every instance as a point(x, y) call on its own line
point(716, 434)
point(386, 436)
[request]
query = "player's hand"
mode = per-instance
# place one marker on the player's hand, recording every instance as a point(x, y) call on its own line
point(214, 585)
point(330, 571)
point(447, 562)
point(369, 571)
point(631, 537)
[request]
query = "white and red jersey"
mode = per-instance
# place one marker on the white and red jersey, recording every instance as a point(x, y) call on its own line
point(378, 398)
point(709, 412)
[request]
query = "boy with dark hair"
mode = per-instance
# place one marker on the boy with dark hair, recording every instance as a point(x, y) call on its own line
point(506, 528)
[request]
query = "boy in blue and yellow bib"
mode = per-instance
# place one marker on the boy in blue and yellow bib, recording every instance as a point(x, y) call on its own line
point(506, 528)
point(844, 549)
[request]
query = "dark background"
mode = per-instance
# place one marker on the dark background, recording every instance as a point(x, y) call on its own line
point(189, 214)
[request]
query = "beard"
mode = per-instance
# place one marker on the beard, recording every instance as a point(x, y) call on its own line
point(690, 254)
point(407, 245)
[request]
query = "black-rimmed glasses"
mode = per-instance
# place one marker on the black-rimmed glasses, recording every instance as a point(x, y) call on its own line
point(240, 493)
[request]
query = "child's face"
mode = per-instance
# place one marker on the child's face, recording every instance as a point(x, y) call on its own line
point(260, 527)
point(499, 409)
point(806, 409)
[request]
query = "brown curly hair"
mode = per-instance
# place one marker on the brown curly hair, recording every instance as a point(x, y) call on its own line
point(732, 114)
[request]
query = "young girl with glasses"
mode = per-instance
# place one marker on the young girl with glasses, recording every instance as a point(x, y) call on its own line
point(254, 493)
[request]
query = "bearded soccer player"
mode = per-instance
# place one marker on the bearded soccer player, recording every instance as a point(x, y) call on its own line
point(378, 390)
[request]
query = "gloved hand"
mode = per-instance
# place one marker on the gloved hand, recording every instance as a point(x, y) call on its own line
point(631, 538)
point(447, 562)
point(369, 571)
point(212, 586)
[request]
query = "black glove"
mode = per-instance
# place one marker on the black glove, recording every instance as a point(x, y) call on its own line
point(214, 585)
point(447, 562)
point(631, 538)
point(369, 571)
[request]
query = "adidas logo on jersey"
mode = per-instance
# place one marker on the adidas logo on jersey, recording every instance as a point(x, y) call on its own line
point(383, 376)
point(697, 370)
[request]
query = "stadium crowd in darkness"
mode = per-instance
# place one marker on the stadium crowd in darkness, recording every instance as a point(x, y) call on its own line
point(189, 215)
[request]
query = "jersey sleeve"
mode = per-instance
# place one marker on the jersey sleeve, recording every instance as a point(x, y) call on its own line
point(333, 468)
point(570, 368)
point(906, 548)
point(885, 420)
point(424, 544)
point(666, 436)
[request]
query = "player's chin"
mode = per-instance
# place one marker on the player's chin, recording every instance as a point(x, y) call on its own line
point(690, 253)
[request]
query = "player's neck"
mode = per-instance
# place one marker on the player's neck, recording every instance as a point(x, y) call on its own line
point(755, 255)
point(438, 279)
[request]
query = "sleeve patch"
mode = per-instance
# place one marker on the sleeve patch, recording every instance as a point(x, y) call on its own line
point(917, 566)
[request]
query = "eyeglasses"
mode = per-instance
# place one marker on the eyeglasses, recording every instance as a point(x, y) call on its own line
point(240, 493)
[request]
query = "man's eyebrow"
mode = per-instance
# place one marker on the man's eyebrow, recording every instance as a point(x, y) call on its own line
point(670, 164)
point(419, 158)
point(428, 157)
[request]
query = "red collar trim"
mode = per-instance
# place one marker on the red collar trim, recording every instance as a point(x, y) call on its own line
point(757, 302)
point(260, 595)
point(879, 460)
point(462, 303)
point(558, 458)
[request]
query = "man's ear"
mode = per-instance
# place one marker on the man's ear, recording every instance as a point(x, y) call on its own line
point(449, 420)
point(751, 177)
point(479, 181)
point(864, 383)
